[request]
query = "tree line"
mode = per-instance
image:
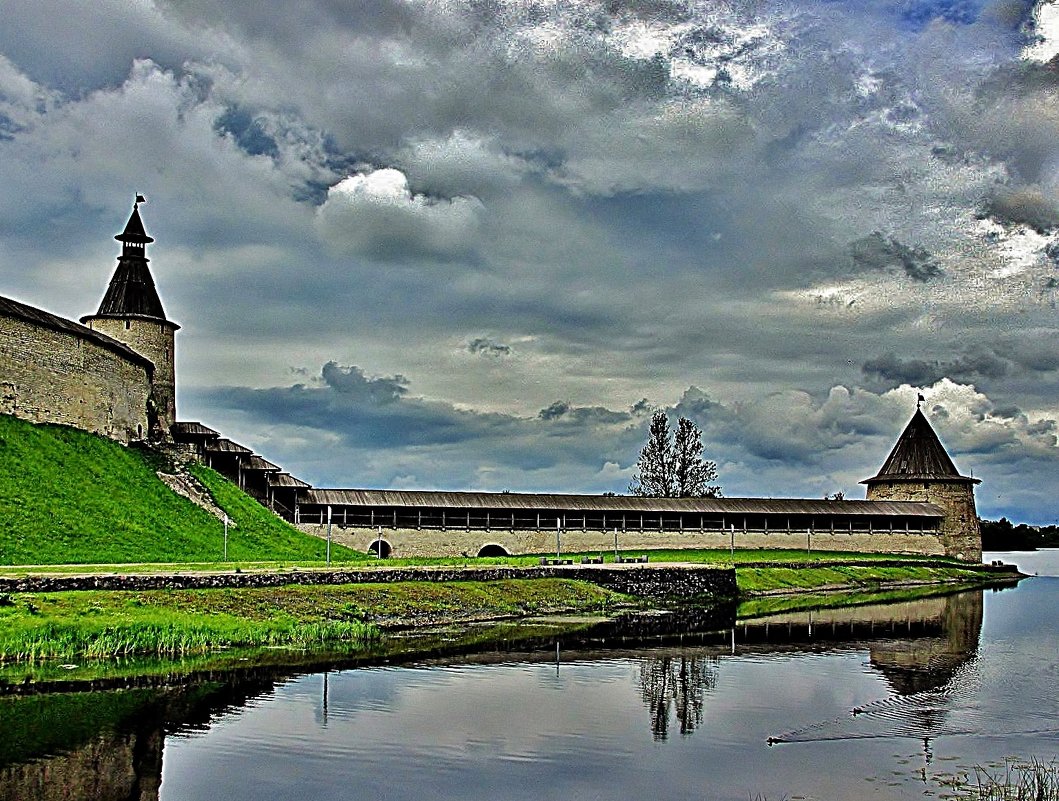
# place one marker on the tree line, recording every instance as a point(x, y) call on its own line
point(1003, 535)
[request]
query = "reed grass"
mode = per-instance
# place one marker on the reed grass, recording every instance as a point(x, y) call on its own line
point(1014, 780)
point(172, 639)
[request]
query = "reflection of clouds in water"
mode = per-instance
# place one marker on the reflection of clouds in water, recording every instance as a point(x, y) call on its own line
point(1003, 688)
point(520, 730)
point(944, 711)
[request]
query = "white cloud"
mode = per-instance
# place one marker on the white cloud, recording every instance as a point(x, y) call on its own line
point(461, 164)
point(376, 214)
point(1046, 32)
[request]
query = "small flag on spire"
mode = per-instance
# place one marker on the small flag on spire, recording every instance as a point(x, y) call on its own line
point(920, 400)
point(141, 199)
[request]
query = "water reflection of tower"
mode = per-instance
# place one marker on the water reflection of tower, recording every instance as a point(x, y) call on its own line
point(926, 650)
point(931, 676)
point(931, 663)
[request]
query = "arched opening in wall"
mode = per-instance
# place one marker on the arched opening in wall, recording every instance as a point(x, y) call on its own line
point(492, 549)
point(380, 548)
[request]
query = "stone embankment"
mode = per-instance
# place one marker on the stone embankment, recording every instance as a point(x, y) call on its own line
point(657, 582)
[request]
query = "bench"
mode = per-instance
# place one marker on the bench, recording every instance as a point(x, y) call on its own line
point(552, 561)
point(591, 560)
point(632, 560)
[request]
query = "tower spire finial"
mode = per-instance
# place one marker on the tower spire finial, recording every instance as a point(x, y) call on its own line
point(919, 400)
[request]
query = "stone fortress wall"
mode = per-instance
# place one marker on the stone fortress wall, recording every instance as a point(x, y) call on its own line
point(960, 534)
point(156, 340)
point(455, 542)
point(53, 370)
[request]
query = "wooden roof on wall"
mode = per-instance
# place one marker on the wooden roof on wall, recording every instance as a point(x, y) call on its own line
point(515, 501)
point(286, 480)
point(225, 445)
point(256, 462)
point(193, 430)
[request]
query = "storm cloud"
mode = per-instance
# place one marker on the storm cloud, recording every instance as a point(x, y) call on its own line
point(519, 219)
point(810, 446)
point(877, 252)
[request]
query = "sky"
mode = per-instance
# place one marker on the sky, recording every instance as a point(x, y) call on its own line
point(431, 244)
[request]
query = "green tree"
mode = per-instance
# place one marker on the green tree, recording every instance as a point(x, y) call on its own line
point(691, 473)
point(654, 468)
point(671, 466)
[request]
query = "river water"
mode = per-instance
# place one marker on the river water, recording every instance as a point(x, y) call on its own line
point(882, 701)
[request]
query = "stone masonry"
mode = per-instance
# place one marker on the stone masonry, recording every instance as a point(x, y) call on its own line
point(410, 542)
point(960, 535)
point(51, 374)
point(155, 339)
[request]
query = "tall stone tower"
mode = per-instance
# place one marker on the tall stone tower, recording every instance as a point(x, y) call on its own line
point(919, 469)
point(132, 313)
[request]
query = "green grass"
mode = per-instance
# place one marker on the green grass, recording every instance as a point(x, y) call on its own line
point(67, 496)
point(97, 625)
point(783, 579)
point(174, 623)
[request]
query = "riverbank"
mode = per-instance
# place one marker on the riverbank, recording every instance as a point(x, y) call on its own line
point(169, 615)
point(96, 624)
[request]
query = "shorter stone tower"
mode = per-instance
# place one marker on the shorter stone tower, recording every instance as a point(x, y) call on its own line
point(919, 469)
point(132, 313)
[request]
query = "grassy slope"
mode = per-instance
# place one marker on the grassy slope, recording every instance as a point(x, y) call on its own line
point(67, 496)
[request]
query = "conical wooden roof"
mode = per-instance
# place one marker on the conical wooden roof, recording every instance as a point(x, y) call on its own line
point(132, 292)
point(134, 230)
point(918, 456)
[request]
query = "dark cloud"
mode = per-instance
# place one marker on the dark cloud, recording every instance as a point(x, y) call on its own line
point(380, 434)
point(351, 382)
point(970, 368)
point(878, 252)
point(1026, 205)
point(554, 411)
point(484, 346)
point(1033, 351)
point(641, 407)
point(1028, 357)
point(896, 371)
